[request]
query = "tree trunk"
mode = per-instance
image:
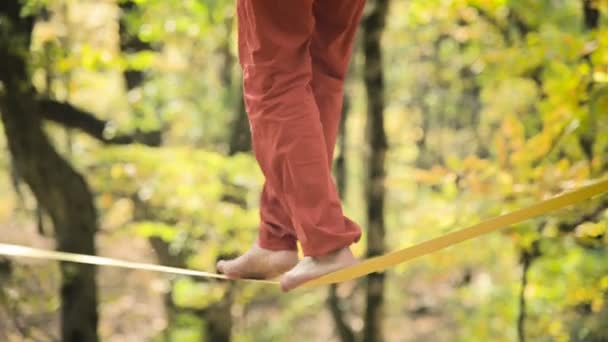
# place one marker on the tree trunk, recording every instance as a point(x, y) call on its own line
point(340, 167)
point(217, 316)
point(61, 190)
point(240, 133)
point(240, 136)
point(131, 44)
point(591, 20)
point(521, 317)
point(373, 25)
point(591, 14)
point(345, 332)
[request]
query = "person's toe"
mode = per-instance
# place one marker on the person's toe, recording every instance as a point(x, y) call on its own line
point(286, 282)
point(290, 281)
point(227, 268)
point(220, 266)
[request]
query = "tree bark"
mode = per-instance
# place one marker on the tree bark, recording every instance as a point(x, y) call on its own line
point(526, 260)
point(240, 135)
point(61, 190)
point(591, 20)
point(340, 165)
point(217, 316)
point(373, 26)
point(131, 44)
point(345, 332)
point(591, 14)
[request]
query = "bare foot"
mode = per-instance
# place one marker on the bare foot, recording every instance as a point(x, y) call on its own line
point(258, 263)
point(314, 267)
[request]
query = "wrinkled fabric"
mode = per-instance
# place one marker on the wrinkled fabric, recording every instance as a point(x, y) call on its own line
point(294, 56)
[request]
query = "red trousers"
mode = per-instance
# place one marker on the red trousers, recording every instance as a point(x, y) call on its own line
point(294, 55)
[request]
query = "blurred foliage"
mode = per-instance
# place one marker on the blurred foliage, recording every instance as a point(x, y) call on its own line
point(491, 106)
point(192, 214)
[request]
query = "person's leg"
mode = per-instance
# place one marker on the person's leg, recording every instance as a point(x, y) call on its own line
point(288, 137)
point(276, 230)
point(275, 250)
point(330, 49)
point(336, 22)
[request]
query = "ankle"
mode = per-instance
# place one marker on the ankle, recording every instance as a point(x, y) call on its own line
point(336, 254)
point(273, 248)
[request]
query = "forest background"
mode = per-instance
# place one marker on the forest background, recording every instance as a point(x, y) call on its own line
point(126, 136)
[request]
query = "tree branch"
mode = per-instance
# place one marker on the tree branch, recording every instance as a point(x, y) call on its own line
point(527, 259)
point(492, 21)
point(70, 116)
point(594, 215)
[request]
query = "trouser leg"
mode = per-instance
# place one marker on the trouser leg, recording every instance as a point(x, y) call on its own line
point(287, 133)
point(336, 23)
point(276, 230)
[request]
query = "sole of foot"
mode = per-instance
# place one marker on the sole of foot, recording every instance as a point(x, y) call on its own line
point(258, 263)
point(314, 267)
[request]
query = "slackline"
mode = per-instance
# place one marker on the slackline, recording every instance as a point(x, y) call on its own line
point(363, 268)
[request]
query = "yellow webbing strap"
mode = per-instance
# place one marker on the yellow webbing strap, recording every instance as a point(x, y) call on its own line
point(29, 252)
point(391, 259)
point(368, 266)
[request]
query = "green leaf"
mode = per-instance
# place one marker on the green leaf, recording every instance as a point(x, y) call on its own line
point(149, 229)
point(188, 293)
